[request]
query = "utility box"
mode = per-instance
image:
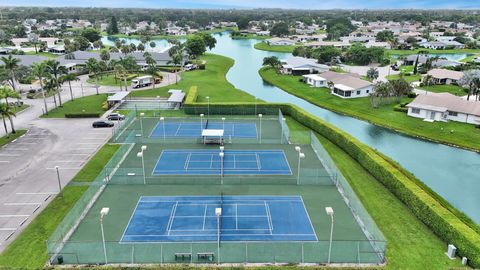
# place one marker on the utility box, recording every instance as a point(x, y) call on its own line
point(464, 261)
point(451, 251)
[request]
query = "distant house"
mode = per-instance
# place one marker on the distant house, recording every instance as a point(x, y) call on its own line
point(411, 59)
point(279, 41)
point(347, 85)
point(441, 45)
point(56, 49)
point(444, 107)
point(445, 76)
point(315, 80)
point(440, 63)
point(299, 65)
point(337, 44)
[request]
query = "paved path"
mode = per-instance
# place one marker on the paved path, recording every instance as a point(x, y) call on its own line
point(28, 179)
point(383, 72)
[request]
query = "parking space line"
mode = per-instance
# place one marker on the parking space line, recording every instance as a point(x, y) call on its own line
point(8, 229)
point(77, 154)
point(35, 193)
point(10, 216)
point(87, 148)
point(4, 161)
point(87, 143)
point(9, 155)
point(67, 161)
point(23, 203)
point(28, 143)
point(11, 148)
point(65, 168)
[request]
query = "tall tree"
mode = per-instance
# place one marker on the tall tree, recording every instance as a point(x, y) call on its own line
point(6, 112)
point(93, 68)
point(39, 71)
point(470, 81)
point(69, 77)
point(195, 46)
point(272, 61)
point(112, 28)
point(11, 64)
point(372, 73)
point(177, 54)
point(56, 71)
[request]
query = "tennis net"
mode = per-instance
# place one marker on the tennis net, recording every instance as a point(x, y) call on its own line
point(206, 124)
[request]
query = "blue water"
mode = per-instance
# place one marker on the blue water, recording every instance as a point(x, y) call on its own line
point(243, 218)
point(451, 172)
point(448, 56)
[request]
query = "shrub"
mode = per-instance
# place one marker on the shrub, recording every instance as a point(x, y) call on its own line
point(201, 66)
point(412, 95)
point(31, 95)
point(400, 108)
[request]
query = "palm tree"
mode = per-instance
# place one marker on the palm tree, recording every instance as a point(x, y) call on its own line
point(11, 64)
point(177, 54)
point(69, 77)
point(120, 73)
point(7, 111)
point(92, 67)
point(39, 71)
point(56, 71)
point(6, 93)
point(4, 113)
point(152, 68)
point(372, 73)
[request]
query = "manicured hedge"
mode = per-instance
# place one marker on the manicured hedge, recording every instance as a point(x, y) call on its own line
point(82, 115)
point(426, 207)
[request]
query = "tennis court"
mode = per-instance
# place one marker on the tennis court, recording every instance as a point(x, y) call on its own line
point(235, 162)
point(243, 218)
point(194, 129)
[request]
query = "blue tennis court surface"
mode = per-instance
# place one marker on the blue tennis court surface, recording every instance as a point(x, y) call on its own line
point(194, 129)
point(235, 162)
point(244, 218)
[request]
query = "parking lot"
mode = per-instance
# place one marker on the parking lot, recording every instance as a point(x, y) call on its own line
point(29, 178)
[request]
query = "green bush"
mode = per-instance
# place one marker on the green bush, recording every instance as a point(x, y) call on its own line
point(82, 115)
point(447, 224)
point(399, 108)
point(31, 95)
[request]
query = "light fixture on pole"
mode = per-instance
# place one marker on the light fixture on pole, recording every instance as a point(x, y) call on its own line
point(208, 106)
point(141, 123)
point(103, 213)
point(201, 121)
point(158, 99)
point(260, 117)
point(58, 180)
point(141, 155)
point(329, 211)
point(163, 124)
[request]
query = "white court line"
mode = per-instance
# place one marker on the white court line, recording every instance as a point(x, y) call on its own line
point(204, 217)
point(187, 161)
point(170, 220)
point(236, 216)
point(269, 217)
point(24, 203)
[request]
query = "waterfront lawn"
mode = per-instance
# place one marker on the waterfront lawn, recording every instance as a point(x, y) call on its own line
point(88, 105)
point(210, 82)
point(432, 51)
point(399, 226)
point(11, 136)
point(445, 88)
point(464, 135)
point(28, 250)
point(110, 80)
point(275, 48)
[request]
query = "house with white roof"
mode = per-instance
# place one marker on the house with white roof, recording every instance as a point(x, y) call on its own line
point(344, 85)
point(299, 65)
point(445, 76)
point(279, 41)
point(444, 107)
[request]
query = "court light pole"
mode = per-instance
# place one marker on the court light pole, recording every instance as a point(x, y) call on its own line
point(222, 155)
point(158, 99)
point(163, 124)
point(141, 123)
point(218, 213)
point(201, 121)
point(300, 157)
point(208, 107)
point(329, 211)
point(260, 117)
point(103, 213)
point(141, 155)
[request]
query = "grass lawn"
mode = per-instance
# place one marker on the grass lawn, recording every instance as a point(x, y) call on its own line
point(408, 78)
point(46, 54)
point(250, 36)
point(276, 48)
point(399, 226)
point(463, 135)
point(28, 250)
point(21, 108)
point(6, 139)
point(447, 88)
point(469, 58)
point(210, 82)
point(88, 104)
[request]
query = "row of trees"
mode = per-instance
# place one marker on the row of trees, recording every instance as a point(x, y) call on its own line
point(390, 92)
point(357, 54)
point(7, 110)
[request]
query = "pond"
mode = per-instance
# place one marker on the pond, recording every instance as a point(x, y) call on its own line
point(448, 56)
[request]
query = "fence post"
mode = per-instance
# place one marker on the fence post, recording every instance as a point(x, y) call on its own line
point(303, 255)
point(133, 253)
point(161, 254)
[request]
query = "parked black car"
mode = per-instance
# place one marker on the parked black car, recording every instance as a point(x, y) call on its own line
point(102, 123)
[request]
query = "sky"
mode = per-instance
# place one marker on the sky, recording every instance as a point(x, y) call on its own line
point(242, 4)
